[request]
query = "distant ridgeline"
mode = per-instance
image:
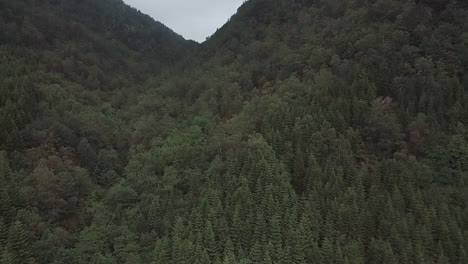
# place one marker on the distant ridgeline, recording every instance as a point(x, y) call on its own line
point(324, 131)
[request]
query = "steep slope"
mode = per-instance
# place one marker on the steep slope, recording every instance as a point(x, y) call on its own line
point(102, 48)
point(303, 131)
point(115, 20)
point(312, 132)
point(69, 70)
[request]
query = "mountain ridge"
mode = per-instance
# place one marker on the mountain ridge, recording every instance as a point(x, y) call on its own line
point(302, 131)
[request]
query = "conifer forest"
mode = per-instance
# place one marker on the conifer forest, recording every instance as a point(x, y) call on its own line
point(302, 131)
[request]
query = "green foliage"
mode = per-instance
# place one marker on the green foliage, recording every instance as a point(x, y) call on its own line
point(18, 244)
point(300, 132)
point(121, 194)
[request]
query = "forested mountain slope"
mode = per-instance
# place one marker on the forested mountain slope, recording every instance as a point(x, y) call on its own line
point(68, 72)
point(301, 132)
point(101, 49)
point(315, 132)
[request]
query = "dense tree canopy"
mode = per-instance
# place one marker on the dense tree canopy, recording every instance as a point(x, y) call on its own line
point(301, 132)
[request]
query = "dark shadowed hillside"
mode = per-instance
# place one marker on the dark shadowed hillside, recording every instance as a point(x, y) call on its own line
point(69, 70)
point(115, 20)
point(301, 132)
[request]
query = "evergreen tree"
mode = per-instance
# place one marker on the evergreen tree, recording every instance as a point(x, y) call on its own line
point(3, 232)
point(300, 132)
point(8, 257)
point(327, 251)
point(209, 241)
point(257, 253)
point(18, 242)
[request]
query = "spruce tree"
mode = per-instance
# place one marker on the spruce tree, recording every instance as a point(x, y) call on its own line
point(275, 236)
point(3, 232)
point(229, 254)
point(257, 253)
point(267, 259)
point(18, 242)
point(287, 258)
point(8, 257)
point(209, 241)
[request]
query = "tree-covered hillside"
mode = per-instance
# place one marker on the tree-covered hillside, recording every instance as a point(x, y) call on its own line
point(62, 58)
point(303, 131)
point(69, 71)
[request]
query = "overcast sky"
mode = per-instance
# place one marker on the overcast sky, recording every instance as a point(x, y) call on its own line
point(193, 19)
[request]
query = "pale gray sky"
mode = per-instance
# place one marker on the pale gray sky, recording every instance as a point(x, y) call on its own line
point(193, 19)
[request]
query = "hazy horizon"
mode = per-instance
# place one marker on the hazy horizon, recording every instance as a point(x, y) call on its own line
point(195, 20)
